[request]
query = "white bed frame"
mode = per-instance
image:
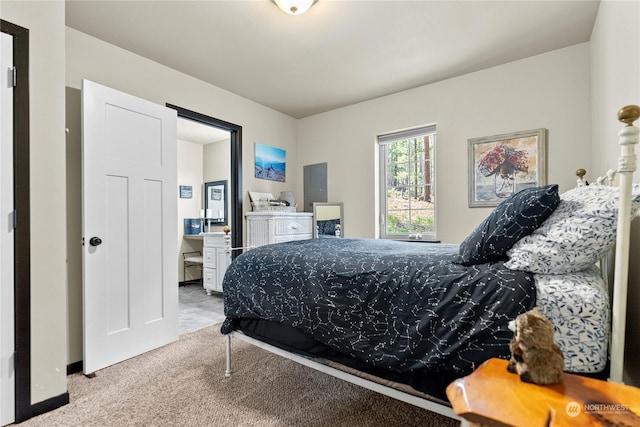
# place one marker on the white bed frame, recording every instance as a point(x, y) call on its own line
point(628, 138)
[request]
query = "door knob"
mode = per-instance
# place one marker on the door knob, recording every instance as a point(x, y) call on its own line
point(95, 241)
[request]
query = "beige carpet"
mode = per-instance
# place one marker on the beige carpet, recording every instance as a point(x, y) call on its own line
point(183, 384)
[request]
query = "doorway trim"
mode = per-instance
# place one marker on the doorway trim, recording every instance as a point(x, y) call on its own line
point(236, 166)
point(22, 267)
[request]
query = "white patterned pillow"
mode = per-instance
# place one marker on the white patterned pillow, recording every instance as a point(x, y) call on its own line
point(577, 305)
point(576, 235)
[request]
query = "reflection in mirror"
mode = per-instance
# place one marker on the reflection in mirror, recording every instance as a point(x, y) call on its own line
point(328, 220)
point(215, 203)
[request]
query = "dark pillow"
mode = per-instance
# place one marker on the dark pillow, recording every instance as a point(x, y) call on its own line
point(513, 219)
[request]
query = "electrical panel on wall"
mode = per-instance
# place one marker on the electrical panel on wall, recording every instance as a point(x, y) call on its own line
point(315, 185)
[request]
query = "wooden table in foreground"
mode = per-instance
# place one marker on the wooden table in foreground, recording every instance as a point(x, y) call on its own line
point(491, 396)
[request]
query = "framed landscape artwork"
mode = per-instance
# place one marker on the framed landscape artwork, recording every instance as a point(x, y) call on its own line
point(501, 165)
point(270, 163)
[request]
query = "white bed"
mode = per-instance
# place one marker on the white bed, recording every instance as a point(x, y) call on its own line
point(583, 318)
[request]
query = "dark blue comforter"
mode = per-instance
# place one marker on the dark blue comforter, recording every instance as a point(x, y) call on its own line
point(396, 305)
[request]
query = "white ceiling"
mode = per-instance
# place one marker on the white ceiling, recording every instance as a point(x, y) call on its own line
point(196, 132)
point(341, 51)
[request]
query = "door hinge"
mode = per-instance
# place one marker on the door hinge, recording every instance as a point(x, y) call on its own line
point(13, 219)
point(13, 77)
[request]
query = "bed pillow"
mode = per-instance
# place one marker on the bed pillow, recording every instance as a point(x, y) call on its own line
point(511, 220)
point(577, 305)
point(578, 233)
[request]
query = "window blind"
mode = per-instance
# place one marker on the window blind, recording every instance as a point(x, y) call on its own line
point(406, 134)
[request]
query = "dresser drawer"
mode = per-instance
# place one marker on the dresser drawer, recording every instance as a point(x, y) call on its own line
point(292, 237)
point(292, 226)
point(210, 278)
point(217, 241)
point(209, 257)
point(264, 228)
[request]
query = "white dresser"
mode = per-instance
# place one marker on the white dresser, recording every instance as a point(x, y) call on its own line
point(215, 261)
point(264, 228)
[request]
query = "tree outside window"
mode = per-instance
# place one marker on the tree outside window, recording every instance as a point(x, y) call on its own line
point(407, 172)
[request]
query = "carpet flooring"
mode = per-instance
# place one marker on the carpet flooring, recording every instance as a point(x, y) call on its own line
point(183, 384)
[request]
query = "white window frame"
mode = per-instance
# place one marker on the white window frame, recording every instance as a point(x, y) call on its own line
point(384, 141)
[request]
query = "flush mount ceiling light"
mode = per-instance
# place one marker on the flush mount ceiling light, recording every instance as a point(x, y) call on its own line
point(294, 7)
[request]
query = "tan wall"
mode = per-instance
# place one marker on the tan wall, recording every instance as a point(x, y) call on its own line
point(546, 91)
point(217, 167)
point(198, 164)
point(615, 82)
point(45, 22)
point(189, 173)
point(74, 224)
point(551, 91)
point(93, 59)
point(615, 77)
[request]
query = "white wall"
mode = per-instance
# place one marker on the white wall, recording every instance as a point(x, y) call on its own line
point(45, 21)
point(546, 91)
point(615, 82)
point(190, 168)
point(217, 163)
point(217, 167)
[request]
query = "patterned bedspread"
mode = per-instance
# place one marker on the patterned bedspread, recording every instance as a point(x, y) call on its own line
point(396, 305)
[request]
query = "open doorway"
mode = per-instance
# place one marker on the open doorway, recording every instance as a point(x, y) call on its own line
point(203, 155)
point(208, 151)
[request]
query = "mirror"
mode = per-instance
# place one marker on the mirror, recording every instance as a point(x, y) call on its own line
point(328, 220)
point(215, 203)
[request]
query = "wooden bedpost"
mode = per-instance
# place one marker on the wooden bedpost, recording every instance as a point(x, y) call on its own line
point(626, 167)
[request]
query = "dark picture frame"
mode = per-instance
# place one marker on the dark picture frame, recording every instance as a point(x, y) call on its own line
point(215, 203)
point(186, 191)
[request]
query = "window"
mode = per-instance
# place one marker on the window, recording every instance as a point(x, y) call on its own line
point(407, 190)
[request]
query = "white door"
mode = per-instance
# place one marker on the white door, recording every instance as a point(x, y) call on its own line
point(7, 332)
point(130, 277)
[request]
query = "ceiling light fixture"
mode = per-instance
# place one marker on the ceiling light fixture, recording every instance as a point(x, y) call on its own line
point(294, 7)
